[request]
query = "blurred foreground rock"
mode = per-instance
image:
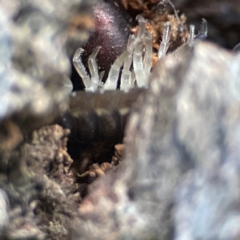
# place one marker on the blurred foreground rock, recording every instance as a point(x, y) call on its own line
point(36, 40)
point(34, 65)
point(180, 178)
point(38, 190)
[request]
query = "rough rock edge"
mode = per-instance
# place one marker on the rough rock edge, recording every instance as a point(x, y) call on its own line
point(152, 196)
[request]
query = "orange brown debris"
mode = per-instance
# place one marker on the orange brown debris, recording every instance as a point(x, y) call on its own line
point(155, 24)
point(119, 153)
point(96, 170)
point(11, 134)
point(80, 21)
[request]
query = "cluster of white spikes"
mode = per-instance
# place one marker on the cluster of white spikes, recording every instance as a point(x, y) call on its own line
point(202, 34)
point(135, 61)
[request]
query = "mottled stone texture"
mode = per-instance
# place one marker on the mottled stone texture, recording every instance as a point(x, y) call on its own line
point(34, 68)
point(34, 65)
point(180, 178)
point(39, 188)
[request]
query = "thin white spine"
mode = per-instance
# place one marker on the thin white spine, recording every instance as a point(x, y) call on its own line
point(132, 41)
point(126, 74)
point(176, 14)
point(147, 61)
point(191, 35)
point(101, 77)
point(126, 82)
point(111, 82)
point(141, 26)
point(77, 62)
point(165, 40)
point(93, 69)
point(132, 78)
point(204, 28)
point(138, 66)
point(202, 34)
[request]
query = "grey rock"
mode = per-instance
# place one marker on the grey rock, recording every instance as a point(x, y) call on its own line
point(38, 186)
point(34, 63)
point(36, 41)
point(34, 71)
point(180, 178)
point(4, 205)
point(208, 199)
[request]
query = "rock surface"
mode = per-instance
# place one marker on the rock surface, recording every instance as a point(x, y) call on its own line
point(34, 65)
point(37, 182)
point(180, 175)
point(180, 179)
point(34, 69)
